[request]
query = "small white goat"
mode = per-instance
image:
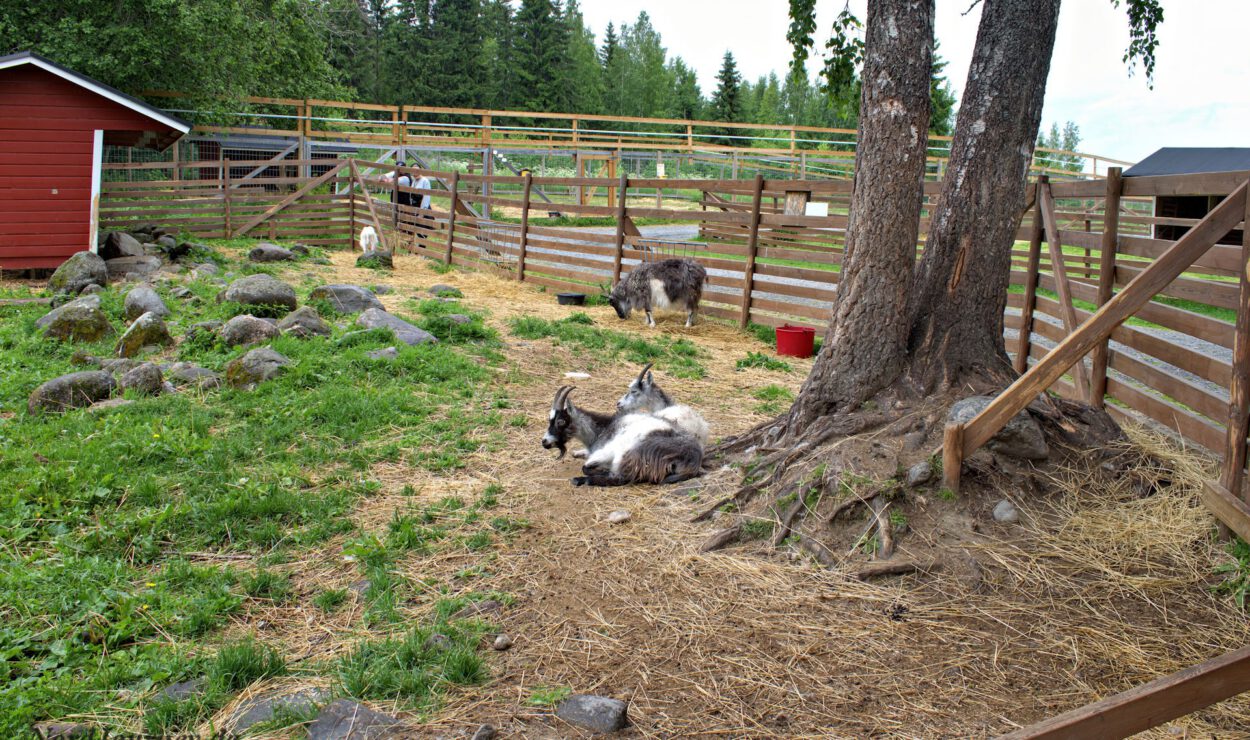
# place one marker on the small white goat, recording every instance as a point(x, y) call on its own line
point(368, 239)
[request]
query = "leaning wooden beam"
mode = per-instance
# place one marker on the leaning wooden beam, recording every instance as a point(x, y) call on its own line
point(373, 213)
point(620, 228)
point(1149, 705)
point(272, 161)
point(753, 241)
point(1054, 243)
point(274, 209)
point(1025, 337)
point(1231, 511)
point(1106, 278)
point(1124, 304)
point(1232, 472)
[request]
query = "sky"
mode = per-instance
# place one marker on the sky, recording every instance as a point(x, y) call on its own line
point(1201, 94)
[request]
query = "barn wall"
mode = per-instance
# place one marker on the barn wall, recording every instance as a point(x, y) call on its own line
point(46, 128)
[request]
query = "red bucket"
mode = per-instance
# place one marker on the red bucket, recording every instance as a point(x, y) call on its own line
point(795, 341)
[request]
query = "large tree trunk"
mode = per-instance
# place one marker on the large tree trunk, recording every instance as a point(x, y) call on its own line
point(866, 343)
point(962, 279)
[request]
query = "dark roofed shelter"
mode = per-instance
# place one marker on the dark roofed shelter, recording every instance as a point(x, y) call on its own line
point(1190, 161)
point(54, 124)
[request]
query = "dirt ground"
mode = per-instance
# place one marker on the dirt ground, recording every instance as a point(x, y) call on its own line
point(1104, 584)
point(1093, 592)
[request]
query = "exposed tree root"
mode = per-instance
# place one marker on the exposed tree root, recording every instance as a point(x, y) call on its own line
point(721, 538)
point(896, 568)
point(885, 536)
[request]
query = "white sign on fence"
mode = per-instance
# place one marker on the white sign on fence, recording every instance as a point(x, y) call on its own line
point(816, 209)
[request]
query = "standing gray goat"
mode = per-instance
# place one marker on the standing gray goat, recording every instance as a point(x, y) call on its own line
point(671, 283)
point(623, 448)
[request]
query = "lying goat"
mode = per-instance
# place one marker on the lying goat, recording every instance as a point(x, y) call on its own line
point(622, 448)
point(672, 283)
point(368, 239)
point(644, 395)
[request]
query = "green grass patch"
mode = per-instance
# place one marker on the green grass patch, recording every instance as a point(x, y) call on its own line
point(761, 360)
point(679, 357)
point(548, 696)
point(773, 398)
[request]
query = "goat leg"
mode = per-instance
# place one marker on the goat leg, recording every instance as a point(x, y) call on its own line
point(600, 480)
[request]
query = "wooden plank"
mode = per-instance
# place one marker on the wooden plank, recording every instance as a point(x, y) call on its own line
point(1106, 280)
point(1030, 290)
point(748, 277)
point(620, 229)
point(1164, 270)
point(952, 455)
point(1208, 183)
point(1151, 704)
point(1232, 471)
point(267, 163)
point(525, 227)
point(373, 213)
point(451, 218)
point(307, 188)
point(1231, 511)
point(1055, 246)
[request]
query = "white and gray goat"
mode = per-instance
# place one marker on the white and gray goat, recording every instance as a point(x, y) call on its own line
point(667, 284)
point(645, 396)
point(622, 448)
point(368, 239)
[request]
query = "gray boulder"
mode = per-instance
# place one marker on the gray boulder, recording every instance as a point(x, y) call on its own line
point(404, 332)
point(485, 732)
point(121, 244)
point(145, 380)
point(121, 268)
point(51, 730)
point(92, 289)
point(305, 323)
point(1022, 436)
point(344, 719)
point(181, 292)
point(255, 367)
point(79, 320)
point(147, 332)
point(376, 259)
point(185, 374)
point(299, 249)
point(184, 690)
point(108, 404)
point(167, 243)
point(595, 713)
point(458, 318)
point(247, 329)
point(387, 353)
point(120, 366)
point(446, 291)
point(266, 252)
point(919, 474)
point(204, 269)
point(142, 299)
point(261, 290)
point(76, 390)
point(347, 298)
point(264, 708)
point(77, 272)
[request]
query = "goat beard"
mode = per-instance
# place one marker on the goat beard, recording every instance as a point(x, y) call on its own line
point(562, 448)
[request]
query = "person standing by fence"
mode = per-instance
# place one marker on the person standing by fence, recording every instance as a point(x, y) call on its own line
point(422, 201)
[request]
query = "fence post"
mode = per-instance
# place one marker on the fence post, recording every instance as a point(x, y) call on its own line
point(620, 230)
point(451, 218)
point(1232, 472)
point(952, 455)
point(395, 200)
point(748, 273)
point(225, 182)
point(1024, 339)
point(1106, 280)
point(525, 226)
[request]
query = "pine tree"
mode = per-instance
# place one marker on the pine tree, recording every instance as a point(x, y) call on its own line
point(687, 99)
point(645, 88)
point(941, 99)
point(540, 57)
point(498, 28)
point(454, 66)
point(585, 78)
point(727, 100)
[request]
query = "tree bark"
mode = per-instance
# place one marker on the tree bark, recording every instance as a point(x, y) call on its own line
point(866, 342)
point(961, 282)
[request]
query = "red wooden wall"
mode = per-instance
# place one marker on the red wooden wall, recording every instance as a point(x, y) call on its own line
point(46, 129)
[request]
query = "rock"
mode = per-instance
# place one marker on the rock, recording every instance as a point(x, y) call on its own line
point(203, 329)
point(147, 332)
point(446, 291)
point(247, 329)
point(126, 267)
point(458, 318)
point(266, 252)
point(485, 732)
point(49, 730)
point(919, 474)
point(111, 403)
point(77, 272)
point(478, 608)
point(913, 441)
point(142, 299)
point(144, 235)
point(382, 289)
point(596, 713)
point(82, 357)
point(255, 367)
point(319, 261)
point(388, 353)
point(620, 516)
point(1006, 512)
point(299, 249)
point(121, 244)
point(347, 298)
point(181, 293)
point(379, 259)
point(72, 391)
point(93, 289)
point(167, 244)
point(304, 322)
point(79, 320)
point(438, 642)
point(264, 708)
point(1022, 437)
point(204, 269)
point(184, 374)
point(184, 690)
point(404, 332)
point(119, 366)
point(502, 642)
point(344, 719)
point(261, 290)
point(145, 380)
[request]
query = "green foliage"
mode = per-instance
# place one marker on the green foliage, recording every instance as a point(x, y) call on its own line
point(678, 357)
point(414, 669)
point(774, 398)
point(330, 599)
point(1236, 575)
point(240, 664)
point(1068, 140)
point(1144, 19)
point(727, 104)
point(761, 360)
point(757, 529)
point(548, 696)
point(265, 584)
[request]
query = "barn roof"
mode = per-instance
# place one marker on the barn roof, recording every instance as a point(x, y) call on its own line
point(1177, 160)
point(99, 88)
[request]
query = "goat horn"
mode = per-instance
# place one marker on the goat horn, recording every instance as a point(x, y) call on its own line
point(644, 371)
point(561, 392)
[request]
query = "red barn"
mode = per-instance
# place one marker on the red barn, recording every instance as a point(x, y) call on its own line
point(54, 124)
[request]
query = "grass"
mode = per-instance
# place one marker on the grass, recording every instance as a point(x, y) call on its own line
point(774, 398)
point(1236, 575)
point(548, 696)
point(679, 357)
point(103, 511)
point(760, 360)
